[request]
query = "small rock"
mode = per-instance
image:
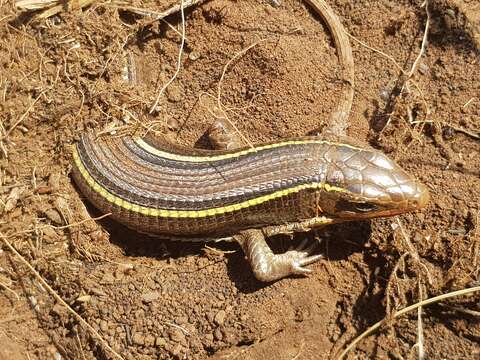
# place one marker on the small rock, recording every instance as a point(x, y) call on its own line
point(83, 299)
point(181, 320)
point(107, 278)
point(43, 189)
point(276, 3)
point(58, 310)
point(423, 68)
point(177, 351)
point(228, 337)
point(160, 342)
point(54, 181)
point(138, 339)
point(49, 235)
point(149, 340)
point(218, 334)
point(61, 205)
point(172, 124)
point(103, 325)
point(384, 94)
point(12, 199)
point(210, 316)
point(177, 335)
point(53, 216)
point(209, 337)
point(194, 56)
point(173, 93)
point(220, 317)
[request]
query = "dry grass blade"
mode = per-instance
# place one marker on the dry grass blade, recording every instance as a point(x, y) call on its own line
point(59, 299)
point(404, 311)
point(7, 288)
point(219, 89)
point(155, 14)
point(35, 4)
point(179, 61)
point(51, 7)
point(24, 115)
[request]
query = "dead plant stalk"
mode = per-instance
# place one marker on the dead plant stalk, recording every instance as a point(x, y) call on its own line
point(59, 299)
point(179, 61)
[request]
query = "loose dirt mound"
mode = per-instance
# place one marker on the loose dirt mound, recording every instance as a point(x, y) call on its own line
point(101, 68)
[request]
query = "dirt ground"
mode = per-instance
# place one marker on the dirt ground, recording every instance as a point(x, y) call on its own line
point(102, 67)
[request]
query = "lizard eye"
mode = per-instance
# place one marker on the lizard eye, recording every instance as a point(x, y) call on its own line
point(355, 207)
point(365, 207)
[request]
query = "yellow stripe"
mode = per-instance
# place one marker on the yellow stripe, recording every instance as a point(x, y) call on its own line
point(165, 213)
point(191, 158)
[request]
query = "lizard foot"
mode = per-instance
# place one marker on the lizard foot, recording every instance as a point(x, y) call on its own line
point(268, 266)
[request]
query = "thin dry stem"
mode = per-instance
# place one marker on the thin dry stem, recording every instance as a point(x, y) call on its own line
point(179, 61)
point(377, 51)
point(77, 223)
point(185, 331)
point(410, 74)
point(220, 106)
point(462, 310)
point(469, 102)
point(424, 41)
point(156, 15)
point(6, 287)
point(24, 115)
point(419, 344)
point(404, 311)
point(59, 299)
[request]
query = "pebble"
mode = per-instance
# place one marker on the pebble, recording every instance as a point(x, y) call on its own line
point(53, 216)
point(177, 351)
point(384, 94)
point(177, 335)
point(12, 199)
point(218, 334)
point(54, 182)
point(150, 296)
point(58, 310)
point(49, 234)
point(194, 56)
point(423, 68)
point(160, 342)
point(220, 317)
point(83, 299)
point(210, 316)
point(149, 340)
point(209, 337)
point(173, 93)
point(181, 320)
point(103, 325)
point(107, 279)
point(172, 124)
point(276, 3)
point(138, 339)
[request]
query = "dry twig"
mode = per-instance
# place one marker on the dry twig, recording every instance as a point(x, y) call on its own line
point(222, 108)
point(179, 61)
point(404, 311)
point(59, 299)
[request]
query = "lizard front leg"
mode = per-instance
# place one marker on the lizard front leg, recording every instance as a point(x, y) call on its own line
point(268, 266)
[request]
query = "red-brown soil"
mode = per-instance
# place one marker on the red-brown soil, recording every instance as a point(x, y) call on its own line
point(152, 299)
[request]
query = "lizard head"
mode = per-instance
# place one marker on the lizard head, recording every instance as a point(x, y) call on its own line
point(365, 183)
